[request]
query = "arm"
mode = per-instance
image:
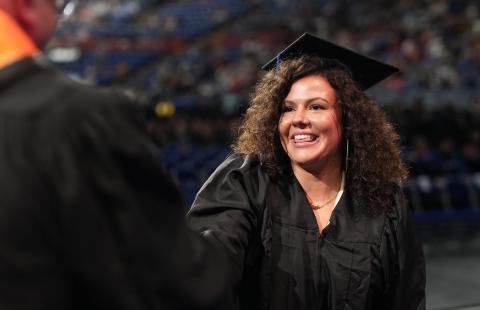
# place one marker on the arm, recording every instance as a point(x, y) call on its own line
point(226, 209)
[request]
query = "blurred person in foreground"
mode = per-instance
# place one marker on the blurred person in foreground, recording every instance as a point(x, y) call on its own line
point(89, 219)
point(309, 207)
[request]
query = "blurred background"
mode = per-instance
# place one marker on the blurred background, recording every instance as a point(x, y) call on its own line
point(192, 64)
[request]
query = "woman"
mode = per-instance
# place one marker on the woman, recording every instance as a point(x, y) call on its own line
point(309, 206)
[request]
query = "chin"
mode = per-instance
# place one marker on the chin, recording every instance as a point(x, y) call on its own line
point(313, 161)
point(305, 162)
point(304, 156)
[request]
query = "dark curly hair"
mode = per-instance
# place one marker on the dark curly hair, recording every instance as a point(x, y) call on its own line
point(374, 161)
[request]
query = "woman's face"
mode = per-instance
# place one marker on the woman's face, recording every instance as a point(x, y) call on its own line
point(309, 127)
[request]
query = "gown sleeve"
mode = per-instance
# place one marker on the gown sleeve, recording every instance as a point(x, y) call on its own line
point(404, 262)
point(226, 207)
point(95, 220)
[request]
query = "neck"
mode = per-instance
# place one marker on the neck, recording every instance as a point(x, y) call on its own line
point(320, 184)
point(14, 42)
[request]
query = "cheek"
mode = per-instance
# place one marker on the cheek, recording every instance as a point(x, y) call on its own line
point(331, 122)
point(52, 25)
point(335, 132)
point(45, 29)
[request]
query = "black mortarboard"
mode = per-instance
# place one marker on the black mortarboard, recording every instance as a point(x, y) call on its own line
point(366, 71)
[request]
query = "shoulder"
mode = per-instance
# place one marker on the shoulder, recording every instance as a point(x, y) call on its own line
point(66, 116)
point(36, 91)
point(244, 164)
point(240, 168)
point(238, 177)
point(60, 104)
point(76, 96)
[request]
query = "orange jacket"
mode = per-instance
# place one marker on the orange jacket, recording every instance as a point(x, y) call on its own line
point(14, 42)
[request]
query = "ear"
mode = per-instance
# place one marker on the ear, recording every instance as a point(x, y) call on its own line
point(23, 11)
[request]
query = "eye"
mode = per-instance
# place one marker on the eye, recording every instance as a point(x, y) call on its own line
point(287, 109)
point(316, 107)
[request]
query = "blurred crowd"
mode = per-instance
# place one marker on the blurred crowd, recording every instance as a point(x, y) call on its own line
point(435, 43)
point(441, 141)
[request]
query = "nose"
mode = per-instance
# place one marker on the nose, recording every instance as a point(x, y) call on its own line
point(300, 118)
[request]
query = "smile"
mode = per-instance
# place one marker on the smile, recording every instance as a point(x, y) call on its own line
point(301, 138)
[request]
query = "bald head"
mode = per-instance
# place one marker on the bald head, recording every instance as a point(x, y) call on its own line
point(38, 18)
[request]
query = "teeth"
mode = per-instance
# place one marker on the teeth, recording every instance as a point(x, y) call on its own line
point(304, 137)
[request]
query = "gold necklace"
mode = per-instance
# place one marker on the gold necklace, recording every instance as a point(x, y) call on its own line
point(317, 207)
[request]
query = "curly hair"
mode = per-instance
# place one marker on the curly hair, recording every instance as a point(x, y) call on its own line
point(374, 160)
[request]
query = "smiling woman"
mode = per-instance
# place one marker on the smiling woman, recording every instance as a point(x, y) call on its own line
point(309, 207)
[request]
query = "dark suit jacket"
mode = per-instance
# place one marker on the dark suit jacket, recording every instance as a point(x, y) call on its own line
point(89, 219)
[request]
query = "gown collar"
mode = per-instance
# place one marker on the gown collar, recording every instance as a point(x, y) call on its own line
point(290, 205)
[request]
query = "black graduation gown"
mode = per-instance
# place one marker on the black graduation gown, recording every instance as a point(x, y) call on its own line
point(89, 219)
point(282, 260)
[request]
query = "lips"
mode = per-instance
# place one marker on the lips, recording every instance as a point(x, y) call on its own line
point(304, 138)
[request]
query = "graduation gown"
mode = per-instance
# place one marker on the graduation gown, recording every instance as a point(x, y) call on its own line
point(89, 218)
point(282, 261)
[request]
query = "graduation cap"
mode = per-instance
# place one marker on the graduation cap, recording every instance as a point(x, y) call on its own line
point(365, 71)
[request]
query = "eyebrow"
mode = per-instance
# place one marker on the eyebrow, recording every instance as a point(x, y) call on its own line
point(307, 100)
